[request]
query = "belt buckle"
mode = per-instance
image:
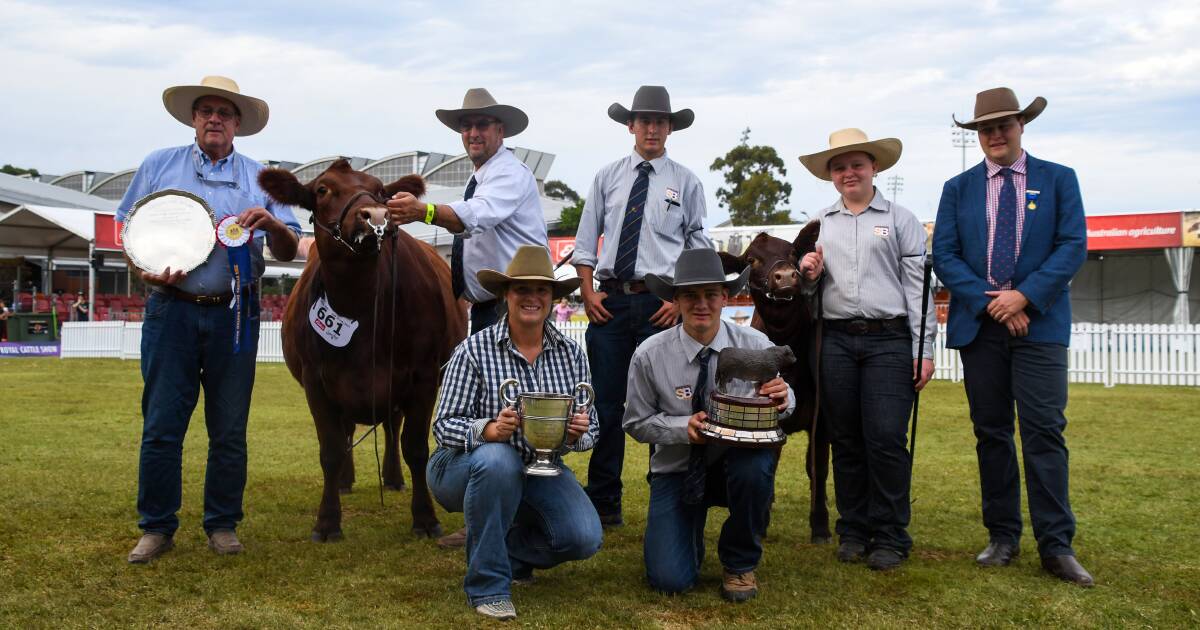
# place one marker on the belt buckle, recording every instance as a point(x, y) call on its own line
point(626, 287)
point(857, 327)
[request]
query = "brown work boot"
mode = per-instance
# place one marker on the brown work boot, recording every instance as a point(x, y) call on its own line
point(224, 542)
point(150, 546)
point(453, 541)
point(739, 587)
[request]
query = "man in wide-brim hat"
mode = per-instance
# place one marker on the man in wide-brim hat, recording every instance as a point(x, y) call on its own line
point(190, 327)
point(649, 208)
point(516, 523)
point(501, 208)
point(1009, 237)
point(670, 377)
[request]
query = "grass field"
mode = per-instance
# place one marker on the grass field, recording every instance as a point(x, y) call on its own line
point(69, 435)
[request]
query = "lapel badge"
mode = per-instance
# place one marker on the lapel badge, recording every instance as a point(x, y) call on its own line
point(1031, 197)
point(684, 393)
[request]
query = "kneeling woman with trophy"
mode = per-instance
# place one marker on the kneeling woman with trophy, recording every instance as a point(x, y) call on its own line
point(516, 395)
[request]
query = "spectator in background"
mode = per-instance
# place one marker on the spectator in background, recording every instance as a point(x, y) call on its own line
point(79, 308)
point(4, 313)
point(563, 311)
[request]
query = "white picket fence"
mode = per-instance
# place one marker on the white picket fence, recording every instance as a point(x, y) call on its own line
point(1143, 354)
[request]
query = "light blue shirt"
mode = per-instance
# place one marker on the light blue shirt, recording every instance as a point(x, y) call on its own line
point(504, 213)
point(668, 227)
point(229, 186)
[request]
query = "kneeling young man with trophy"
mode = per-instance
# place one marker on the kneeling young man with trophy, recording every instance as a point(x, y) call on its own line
point(670, 379)
point(498, 455)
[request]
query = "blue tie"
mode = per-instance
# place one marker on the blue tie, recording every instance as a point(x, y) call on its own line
point(631, 225)
point(458, 282)
point(695, 479)
point(1004, 239)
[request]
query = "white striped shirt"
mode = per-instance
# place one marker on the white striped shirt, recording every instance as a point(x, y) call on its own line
point(995, 181)
point(674, 217)
point(875, 266)
point(470, 397)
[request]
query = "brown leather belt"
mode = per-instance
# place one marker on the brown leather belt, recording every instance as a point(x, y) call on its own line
point(632, 287)
point(221, 299)
point(864, 326)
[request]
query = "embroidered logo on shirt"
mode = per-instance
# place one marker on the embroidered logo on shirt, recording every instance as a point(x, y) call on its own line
point(684, 392)
point(333, 328)
point(672, 197)
point(881, 231)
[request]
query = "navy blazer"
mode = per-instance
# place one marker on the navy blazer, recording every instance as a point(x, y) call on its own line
point(1053, 248)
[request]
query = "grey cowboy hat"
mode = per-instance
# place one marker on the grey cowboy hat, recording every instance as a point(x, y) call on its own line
point(652, 99)
point(480, 101)
point(695, 267)
point(254, 111)
point(531, 262)
point(999, 103)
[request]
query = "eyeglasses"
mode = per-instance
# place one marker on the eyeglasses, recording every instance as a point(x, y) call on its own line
point(482, 124)
point(206, 112)
point(1001, 128)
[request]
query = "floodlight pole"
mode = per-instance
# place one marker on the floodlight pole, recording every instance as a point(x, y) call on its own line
point(962, 138)
point(895, 184)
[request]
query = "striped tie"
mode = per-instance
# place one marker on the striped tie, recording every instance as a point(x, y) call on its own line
point(631, 225)
point(695, 479)
point(1004, 239)
point(458, 282)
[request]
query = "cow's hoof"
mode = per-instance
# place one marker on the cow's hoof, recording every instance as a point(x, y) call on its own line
point(818, 539)
point(428, 531)
point(324, 537)
point(346, 490)
point(394, 486)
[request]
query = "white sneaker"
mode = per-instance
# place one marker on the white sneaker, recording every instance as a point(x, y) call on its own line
point(502, 610)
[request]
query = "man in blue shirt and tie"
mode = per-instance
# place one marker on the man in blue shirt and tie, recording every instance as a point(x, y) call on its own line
point(1010, 236)
point(188, 337)
point(649, 209)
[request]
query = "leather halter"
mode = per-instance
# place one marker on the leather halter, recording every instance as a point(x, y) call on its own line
point(771, 296)
point(336, 230)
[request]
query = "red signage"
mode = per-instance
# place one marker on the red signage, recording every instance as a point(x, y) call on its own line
point(108, 232)
point(563, 246)
point(1135, 231)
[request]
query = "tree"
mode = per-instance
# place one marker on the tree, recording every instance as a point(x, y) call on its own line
point(755, 188)
point(568, 221)
point(9, 169)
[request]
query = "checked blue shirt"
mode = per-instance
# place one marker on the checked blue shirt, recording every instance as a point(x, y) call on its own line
point(484, 360)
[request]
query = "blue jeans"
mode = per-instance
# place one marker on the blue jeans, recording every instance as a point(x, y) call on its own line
point(514, 523)
point(674, 542)
point(610, 347)
point(1002, 371)
point(185, 347)
point(866, 397)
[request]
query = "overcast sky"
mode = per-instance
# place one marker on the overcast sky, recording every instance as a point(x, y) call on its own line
point(83, 83)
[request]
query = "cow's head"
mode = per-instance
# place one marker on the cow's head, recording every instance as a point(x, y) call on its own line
point(347, 205)
point(774, 262)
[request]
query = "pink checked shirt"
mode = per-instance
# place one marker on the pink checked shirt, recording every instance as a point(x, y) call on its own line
point(994, 182)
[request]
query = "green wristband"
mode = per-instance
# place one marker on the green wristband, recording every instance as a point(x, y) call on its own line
point(430, 211)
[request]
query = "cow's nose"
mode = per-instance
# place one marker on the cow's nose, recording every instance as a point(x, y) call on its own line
point(790, 275)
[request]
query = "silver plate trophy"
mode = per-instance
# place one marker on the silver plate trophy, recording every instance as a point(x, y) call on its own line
point(746, 421)
point(544, 419)
point(169, 228)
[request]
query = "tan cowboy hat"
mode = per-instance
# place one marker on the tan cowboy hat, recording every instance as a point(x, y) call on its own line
point(998, 103)
point(652, 99)
point(179, 99)
point(479, 101)
point(886, 151)
point(531, 262)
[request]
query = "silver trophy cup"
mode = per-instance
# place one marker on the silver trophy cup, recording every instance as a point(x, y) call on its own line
point(544, 419)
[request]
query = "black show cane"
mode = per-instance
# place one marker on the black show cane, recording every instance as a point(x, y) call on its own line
point(912, 445)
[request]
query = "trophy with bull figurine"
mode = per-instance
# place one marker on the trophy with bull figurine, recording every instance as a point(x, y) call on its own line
point(746, 421)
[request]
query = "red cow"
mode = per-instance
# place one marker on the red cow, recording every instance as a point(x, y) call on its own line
point(789, 319)
point(367, 327)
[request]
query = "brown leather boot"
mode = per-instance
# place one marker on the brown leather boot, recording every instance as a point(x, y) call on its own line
point(455, 540)
point(739, 587)
point(150, 546)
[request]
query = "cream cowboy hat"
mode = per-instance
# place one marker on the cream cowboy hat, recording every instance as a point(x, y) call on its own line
point(886, 151)
point(179, 99)
point(652, 99)
point(480, 101)
point(999, 103)
point(531, 262)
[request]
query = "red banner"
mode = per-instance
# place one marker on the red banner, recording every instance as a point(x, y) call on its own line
point(108, 232)
point(563, 246)
point(1135, 231)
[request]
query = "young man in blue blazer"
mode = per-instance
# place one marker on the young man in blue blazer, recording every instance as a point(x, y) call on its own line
point(1010, 236)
